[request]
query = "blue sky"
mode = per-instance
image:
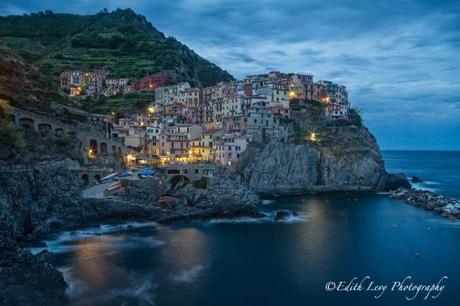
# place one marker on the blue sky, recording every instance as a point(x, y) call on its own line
point(400, 59)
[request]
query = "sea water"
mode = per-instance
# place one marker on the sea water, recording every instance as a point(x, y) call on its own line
point(342, 237)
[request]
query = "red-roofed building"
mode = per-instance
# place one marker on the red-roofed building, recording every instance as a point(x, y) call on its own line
point(151, 82)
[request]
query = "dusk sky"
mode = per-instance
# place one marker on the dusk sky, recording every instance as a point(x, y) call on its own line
point(400, 60)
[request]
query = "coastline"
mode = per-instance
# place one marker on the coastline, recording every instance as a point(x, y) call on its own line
point(445, 206)
point(52, 202)
point(117, 212)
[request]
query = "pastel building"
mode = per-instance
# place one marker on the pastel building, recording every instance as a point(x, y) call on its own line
point(154, 130)
point(229, 151)
point(203, 148)
point(175, 141)
point(264, 126)
point(116, 86)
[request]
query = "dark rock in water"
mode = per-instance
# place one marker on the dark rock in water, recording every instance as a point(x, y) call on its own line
point(416, 180)
point(396, 181)
point(46, 256)
point(447, 207)
point(282, 215)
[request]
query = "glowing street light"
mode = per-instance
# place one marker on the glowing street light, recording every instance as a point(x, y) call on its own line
point(313, 137)
point(91, 154)
point(130, 158)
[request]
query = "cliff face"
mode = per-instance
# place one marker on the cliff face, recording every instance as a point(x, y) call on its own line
point(279, 167)
point(350, 170)
point(342, 158)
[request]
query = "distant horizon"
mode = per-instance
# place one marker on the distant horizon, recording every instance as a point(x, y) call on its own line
point(399, 61)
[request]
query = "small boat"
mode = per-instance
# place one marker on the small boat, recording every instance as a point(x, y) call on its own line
point(124, 174)
point(146, 173)
point(109, 177)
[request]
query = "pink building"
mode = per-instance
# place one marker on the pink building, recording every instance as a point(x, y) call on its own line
point(176, 140)
point(229, 151)
point(280, 111)
point(191, 115)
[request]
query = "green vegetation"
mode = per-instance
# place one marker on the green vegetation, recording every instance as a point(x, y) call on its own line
point(23, 85)
point(10, 139)
point(354, 117)
point(62, 141)
point(121, 41)
point(29, 146)
point(200, 184)
point(128, 103)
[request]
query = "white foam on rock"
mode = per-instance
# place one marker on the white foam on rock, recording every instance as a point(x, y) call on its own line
point(62, 243)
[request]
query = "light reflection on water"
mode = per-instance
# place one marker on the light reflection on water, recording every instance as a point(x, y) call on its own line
point(266, 263)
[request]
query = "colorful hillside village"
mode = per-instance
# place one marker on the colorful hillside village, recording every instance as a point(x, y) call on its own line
point(186, 124)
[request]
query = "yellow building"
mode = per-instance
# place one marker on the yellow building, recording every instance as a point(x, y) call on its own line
point(203, 148)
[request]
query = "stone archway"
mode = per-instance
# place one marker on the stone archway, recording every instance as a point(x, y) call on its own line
point(85, 179)
point(59, 132)
point(45, 129)
point(27, 123)
point(179, 181)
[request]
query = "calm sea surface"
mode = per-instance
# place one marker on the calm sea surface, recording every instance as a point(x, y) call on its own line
point(440, 171)
point(263, 262)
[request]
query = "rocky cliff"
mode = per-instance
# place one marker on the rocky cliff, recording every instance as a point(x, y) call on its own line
point(339, 158)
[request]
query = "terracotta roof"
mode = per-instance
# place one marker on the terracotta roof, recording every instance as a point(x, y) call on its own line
point(211, 131)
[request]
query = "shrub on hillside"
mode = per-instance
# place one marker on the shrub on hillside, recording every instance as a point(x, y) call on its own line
point(9, 136)
point(355, 117)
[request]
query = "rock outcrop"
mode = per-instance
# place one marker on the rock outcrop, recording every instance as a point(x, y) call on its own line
point(28, 280)
point(279, 168)
point(395, 181)
point(340, 158)
point(227, 197)
point(447, 207)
